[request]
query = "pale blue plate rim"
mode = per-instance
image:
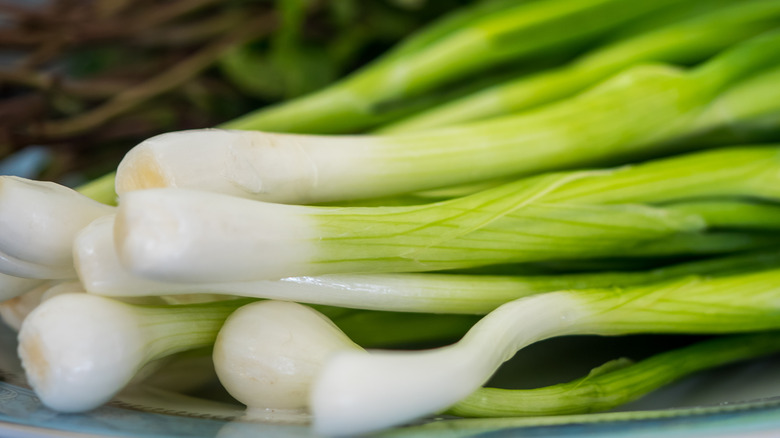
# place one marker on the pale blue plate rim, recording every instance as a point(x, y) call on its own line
point(19, 406)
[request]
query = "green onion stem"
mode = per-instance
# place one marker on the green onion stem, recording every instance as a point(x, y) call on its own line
point(443, 54)
point(726, 214)
point(505, 224)
point(184, 327)
point(690, 40)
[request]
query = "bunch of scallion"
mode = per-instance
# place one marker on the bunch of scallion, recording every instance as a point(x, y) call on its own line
point(521, 183)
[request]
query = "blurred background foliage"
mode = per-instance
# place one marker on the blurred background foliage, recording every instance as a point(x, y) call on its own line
point(82, 81)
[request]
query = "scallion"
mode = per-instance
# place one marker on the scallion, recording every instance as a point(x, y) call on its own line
point(358, 393)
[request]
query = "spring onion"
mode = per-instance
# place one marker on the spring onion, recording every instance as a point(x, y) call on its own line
point(597, 126)
point(101, 273)
point(359, 393)
point(114, 341)
point(188, 236)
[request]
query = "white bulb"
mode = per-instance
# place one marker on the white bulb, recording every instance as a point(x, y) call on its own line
point(78, 350)
point(268, 353)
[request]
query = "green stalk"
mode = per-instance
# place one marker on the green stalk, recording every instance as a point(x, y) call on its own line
point(437, 31)
point(617, 382)
point(741, 171)
point(699, 244)
point(726, 263)
point(733, 214)
point(730, 172)
point(730, 304)
point(744, 113)
point(749, 101)
point(443, 54)
point(713, 267)
point(764, 128)
point(537, 233)
point(480, 230)
point(688, 41)
point(184, 327)
point(506, 224)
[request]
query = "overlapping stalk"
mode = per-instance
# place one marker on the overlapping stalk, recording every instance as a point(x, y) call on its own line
point(492, 34)
point(167, 234)
point(684, 42)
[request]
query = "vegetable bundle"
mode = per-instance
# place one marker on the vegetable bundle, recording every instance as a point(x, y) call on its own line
point(604, 193)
